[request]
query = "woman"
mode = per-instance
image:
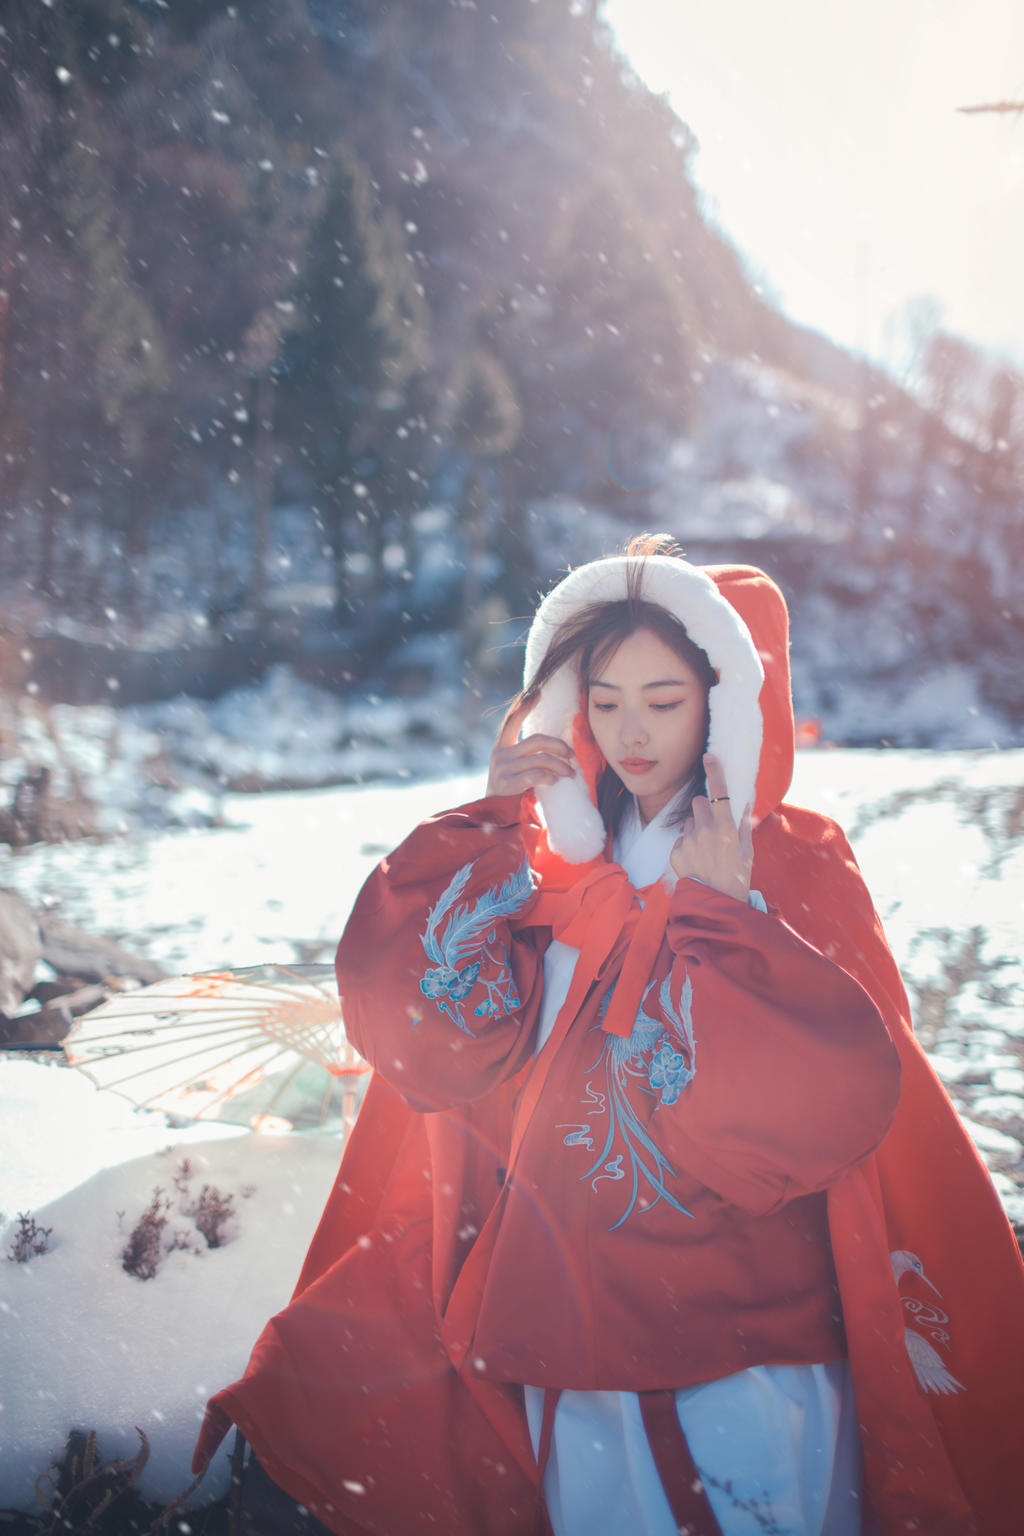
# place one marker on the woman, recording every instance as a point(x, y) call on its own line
point(636, 1232)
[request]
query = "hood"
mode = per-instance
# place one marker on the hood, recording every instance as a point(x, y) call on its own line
point(737, 615)
point(762, 607)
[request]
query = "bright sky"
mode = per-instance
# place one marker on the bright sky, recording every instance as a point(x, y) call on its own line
point(832, 154)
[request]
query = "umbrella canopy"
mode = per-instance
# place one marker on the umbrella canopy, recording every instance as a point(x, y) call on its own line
point(262, 1046)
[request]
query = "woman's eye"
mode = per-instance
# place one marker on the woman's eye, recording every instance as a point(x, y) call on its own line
point(674, 705)
point(603, 709)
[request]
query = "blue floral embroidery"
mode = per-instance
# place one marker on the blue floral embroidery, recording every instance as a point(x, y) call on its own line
point(660, 1055)
point(668, 1073)
point(444, 978)
point(453, 976)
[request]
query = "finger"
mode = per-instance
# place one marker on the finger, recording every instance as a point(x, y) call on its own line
point(700, 811)
point(680, 855)
point(746, 834)
point(551, 744)
point(518, 760)
point(535, 747)
point(685, 831)
point(513, 764)
point(513, 723)
point(532, 778)
point(718, 789)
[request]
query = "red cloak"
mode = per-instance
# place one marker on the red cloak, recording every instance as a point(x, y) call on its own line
point(363, 1405)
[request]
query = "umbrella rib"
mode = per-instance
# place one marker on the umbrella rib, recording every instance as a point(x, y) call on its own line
point(200, 1026)
point(164, 1065)
point(179, 1005)
point(282, 1086)
point(233, 1088)
point(243, 1030)
point(173, 1040)
point(229, 1092)
point(279, 986)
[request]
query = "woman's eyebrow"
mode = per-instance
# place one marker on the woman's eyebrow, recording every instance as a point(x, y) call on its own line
point(665, 682)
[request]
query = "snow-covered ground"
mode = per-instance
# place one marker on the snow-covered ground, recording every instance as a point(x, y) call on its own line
point(85, 1344)
point(940, 837)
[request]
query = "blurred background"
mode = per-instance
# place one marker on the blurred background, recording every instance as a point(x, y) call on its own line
point(331, 330)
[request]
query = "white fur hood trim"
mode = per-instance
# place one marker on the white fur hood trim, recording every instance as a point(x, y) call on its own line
point(575, 829)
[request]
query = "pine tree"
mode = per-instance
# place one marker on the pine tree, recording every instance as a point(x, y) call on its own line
point(131, 372)
point(85, 345)
point(349, 363)
point(485, 423)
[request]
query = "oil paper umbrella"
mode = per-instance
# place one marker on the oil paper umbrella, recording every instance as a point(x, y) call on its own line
point(263, 1046)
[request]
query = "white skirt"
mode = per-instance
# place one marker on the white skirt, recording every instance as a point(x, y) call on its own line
point(777, 1448)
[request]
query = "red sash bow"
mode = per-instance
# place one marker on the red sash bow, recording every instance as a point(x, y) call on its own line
point(594, 907)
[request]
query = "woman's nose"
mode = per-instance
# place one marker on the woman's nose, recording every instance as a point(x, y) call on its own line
point(633, 732)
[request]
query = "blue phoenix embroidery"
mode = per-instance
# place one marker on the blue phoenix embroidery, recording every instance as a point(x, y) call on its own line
point(469, 928)
point(661, 1054)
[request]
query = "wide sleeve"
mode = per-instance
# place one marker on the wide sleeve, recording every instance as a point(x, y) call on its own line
point(438, 992)
point(791, 1076)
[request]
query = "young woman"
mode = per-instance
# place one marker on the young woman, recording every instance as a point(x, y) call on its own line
point(655, 1218)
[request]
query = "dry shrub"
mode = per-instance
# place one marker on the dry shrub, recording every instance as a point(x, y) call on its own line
point(142, 1253)
point(30, 1240)
point(211, 1211)
point(183, 1175)
point(79, 1492)
point(149, 1242)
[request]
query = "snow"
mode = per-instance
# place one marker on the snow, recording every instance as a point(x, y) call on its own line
point(274, 883)
point(86, 1344)
point(939, 836)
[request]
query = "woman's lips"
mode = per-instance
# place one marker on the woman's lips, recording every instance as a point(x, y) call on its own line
point(637, 764)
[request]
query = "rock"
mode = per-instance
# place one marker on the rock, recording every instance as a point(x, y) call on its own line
point(49, 1025)
point(21, 950)
point(45, 991)
point(987, 1139)
point(73, 952)
point(38, 815)
point(1001, 1107)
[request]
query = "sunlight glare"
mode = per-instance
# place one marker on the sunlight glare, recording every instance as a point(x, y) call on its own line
point(832, 152)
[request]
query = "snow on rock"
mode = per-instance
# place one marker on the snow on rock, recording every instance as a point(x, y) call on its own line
point(283, 730)
point(1000, 1106)
point(170, 763)
point(987, 1139)
point(84, 1344)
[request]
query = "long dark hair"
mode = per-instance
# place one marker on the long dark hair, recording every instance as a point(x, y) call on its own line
point(590, 637)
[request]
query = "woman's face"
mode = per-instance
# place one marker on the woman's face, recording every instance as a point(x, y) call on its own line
point(648, 713)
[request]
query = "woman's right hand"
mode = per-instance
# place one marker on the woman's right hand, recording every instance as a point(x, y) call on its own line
point(517, 766)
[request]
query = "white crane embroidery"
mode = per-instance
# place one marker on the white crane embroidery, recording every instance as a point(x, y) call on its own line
point(931, 1370)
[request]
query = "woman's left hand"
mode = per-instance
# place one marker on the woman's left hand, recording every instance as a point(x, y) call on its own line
point(712, 848)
